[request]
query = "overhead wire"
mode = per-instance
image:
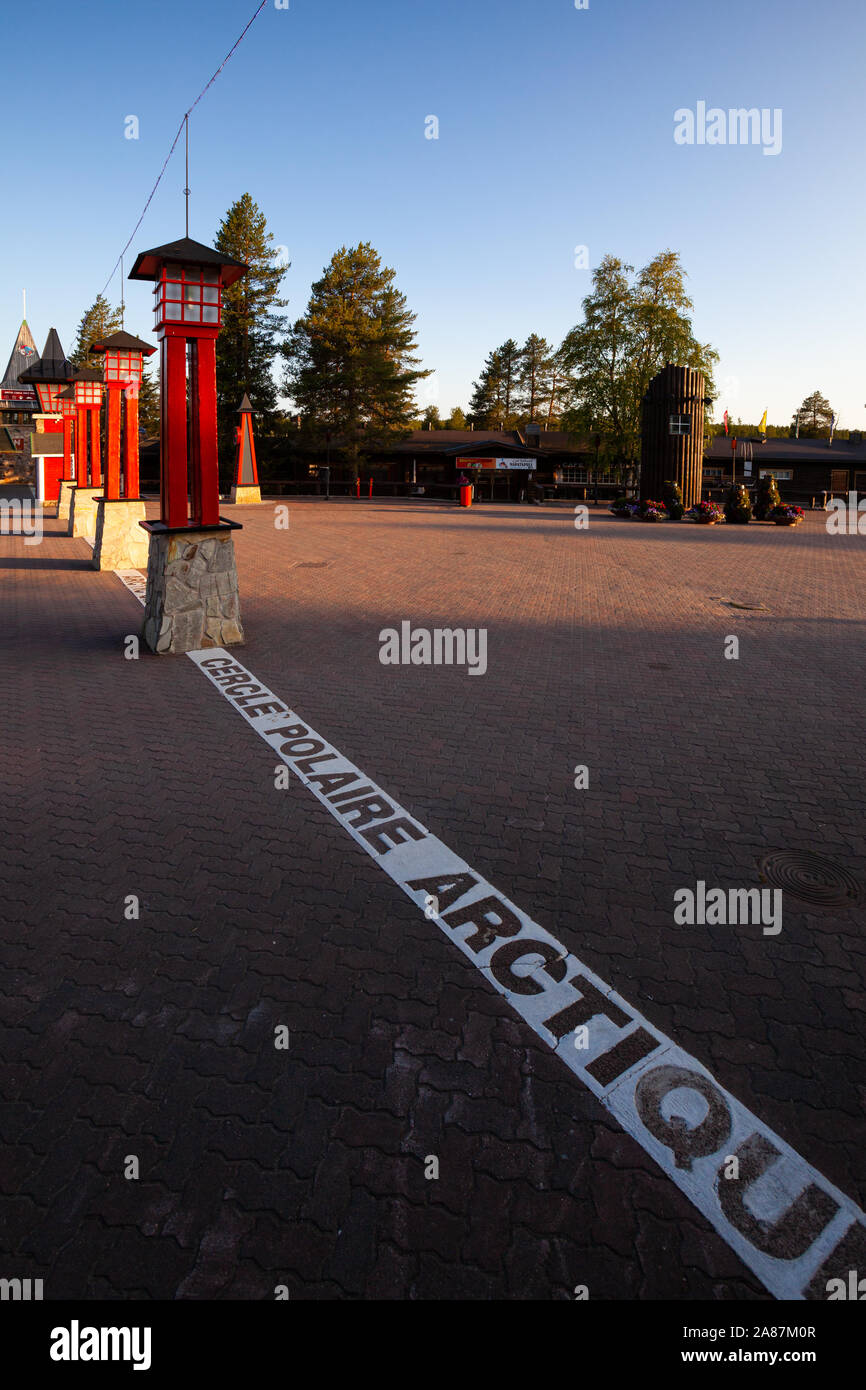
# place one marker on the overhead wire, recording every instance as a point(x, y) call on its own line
point(184, 120)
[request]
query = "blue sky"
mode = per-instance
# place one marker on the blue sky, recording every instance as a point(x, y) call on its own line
point(555, 131)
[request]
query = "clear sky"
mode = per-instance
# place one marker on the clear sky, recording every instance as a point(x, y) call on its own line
point(556, 130)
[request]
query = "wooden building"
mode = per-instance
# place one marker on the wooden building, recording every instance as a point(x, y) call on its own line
point(804, 469)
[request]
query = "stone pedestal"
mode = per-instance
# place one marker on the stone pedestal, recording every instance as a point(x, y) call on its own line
point(192, 588)
point(64, 501)
point(246, 496)
point(82, 513)
point(120, 542)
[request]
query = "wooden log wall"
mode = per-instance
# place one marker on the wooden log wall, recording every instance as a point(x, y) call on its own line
point(678, 457)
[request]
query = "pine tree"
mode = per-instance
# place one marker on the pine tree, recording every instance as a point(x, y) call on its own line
point(98, 322)
point(247, 344)
point(535, 378)
point(351, 359)
point(816, 415)
point(486, 406)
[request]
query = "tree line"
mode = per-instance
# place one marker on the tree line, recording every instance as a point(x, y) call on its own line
point(349, 365)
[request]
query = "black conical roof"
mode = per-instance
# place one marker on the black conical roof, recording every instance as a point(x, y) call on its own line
point(245, 408)
point(52, 366)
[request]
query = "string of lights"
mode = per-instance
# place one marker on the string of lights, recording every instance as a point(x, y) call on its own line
point(183, 124)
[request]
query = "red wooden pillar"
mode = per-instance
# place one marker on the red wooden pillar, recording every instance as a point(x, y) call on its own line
point(112, 443)
point(130, 448)
point(81, 446)
point(206, 502)
point(95, 450)
point(173, 432)
point(67, 446)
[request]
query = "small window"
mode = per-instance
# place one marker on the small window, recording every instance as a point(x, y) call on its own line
point(680, 424)
point(782, 475)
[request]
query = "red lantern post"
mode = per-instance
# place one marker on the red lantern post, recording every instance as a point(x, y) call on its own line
point(197, 611)
point(66, 402)
point(124, 367)
point(119, 543)
point(87, 385)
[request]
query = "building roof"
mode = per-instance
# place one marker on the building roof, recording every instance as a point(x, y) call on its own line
point(245, 408)
point(791, 450)
point(492, 442)
point(147, 263)
point(23, 355)
point(122, 342)
point(52, 366)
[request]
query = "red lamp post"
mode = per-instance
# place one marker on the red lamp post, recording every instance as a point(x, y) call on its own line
point(68, 410)
point(188, 279)
point(124, 368)
point(87, 385)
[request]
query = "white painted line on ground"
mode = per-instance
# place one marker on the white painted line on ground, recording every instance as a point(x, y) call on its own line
point(135, 581)
point(788, 1224)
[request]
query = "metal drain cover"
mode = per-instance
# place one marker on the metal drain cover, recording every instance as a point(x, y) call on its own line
point(810, 877)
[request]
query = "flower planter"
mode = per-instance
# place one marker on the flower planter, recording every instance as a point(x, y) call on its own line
point(706, 520)
point(783, 521)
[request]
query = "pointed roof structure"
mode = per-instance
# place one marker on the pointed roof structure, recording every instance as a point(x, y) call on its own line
point(245, 408)
point(147, 263)
point(23, 355)
point(122, 342)
point(52, 366)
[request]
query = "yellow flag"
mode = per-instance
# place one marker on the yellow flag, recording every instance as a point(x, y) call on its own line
point(763, 425)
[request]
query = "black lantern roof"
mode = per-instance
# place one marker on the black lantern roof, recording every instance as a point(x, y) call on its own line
point(52, 367)
point(148, 263)
point(122, 342)
point(245, 408)
point(67, 395)
point(87, 374)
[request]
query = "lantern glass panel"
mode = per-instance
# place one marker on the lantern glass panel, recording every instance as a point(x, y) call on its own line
point(188, 294)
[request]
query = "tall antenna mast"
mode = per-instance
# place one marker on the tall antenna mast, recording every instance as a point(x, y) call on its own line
point(186, 189)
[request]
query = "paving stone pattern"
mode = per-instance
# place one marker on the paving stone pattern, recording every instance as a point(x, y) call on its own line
point(305, 1167)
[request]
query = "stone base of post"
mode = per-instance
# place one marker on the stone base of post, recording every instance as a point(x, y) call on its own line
point(82, 512)
point(192, 588)
point(120, 543)
point(64, 500)
point(246, 495)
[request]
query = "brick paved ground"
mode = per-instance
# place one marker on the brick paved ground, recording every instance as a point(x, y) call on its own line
point(154, 1037)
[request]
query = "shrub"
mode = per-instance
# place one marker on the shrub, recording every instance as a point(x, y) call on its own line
point(767, 498)
point(673, 495)
point(738, 508)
